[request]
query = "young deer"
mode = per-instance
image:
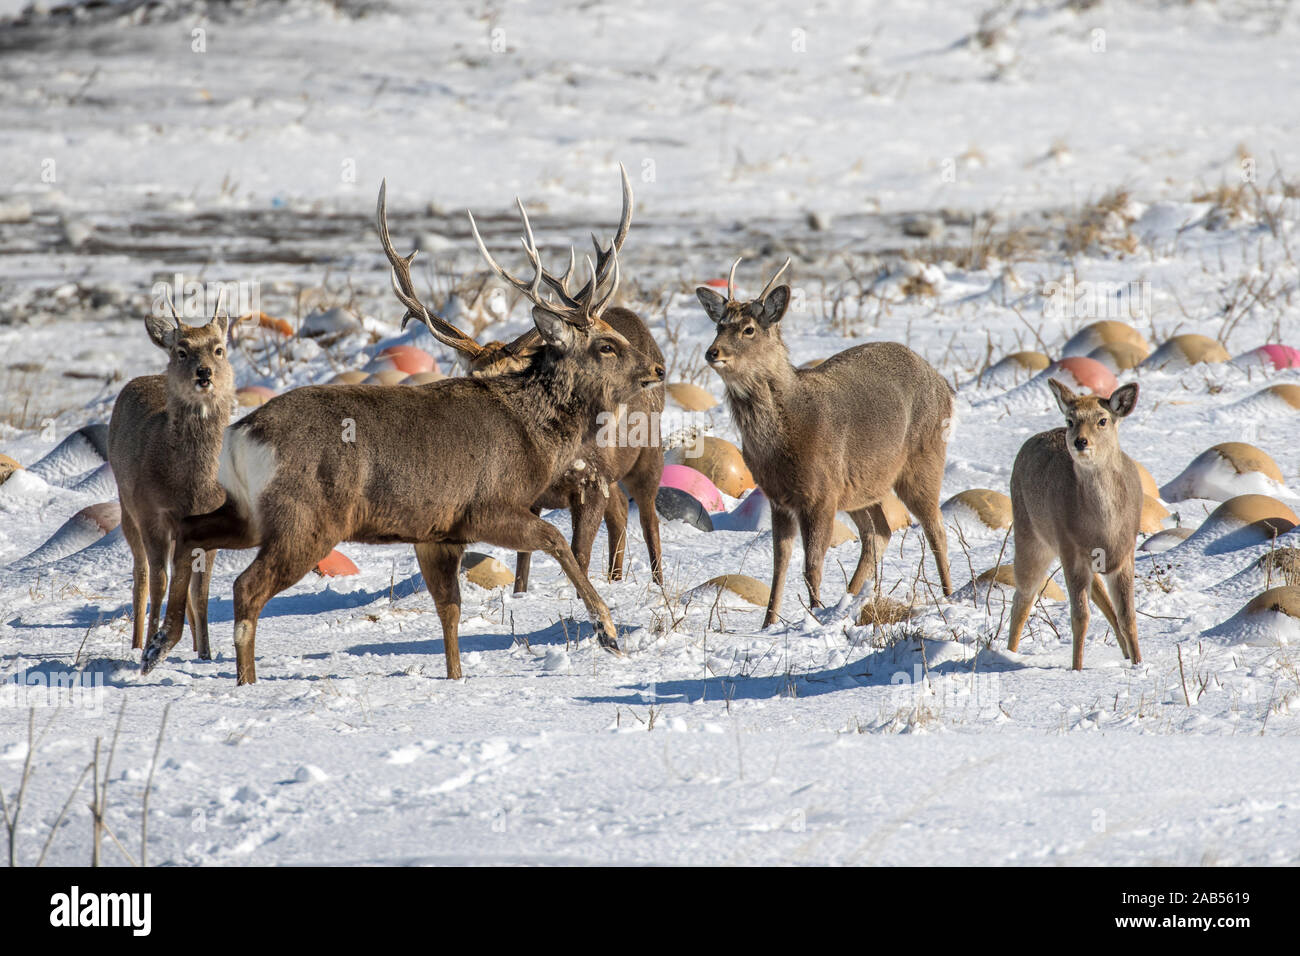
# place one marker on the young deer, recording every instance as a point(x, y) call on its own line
point(438, 465)
point(837, 437)
point(1076, 495)
point(163, 442)
point(586, 491)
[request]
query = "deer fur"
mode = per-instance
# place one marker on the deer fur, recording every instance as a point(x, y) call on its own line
point(837, 437)
point(1075, 495)
point(163, 442)
point(440, 465)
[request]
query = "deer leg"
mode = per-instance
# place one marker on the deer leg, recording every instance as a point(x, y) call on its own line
point(276, 567)
point(1032, 559)
point(782, 545)
point(225, 529)
point(643, 484)
point(1078, 580)
point(586, 515)
point(1120, 583)
point(440, 566)
point(873, 529)
point(139, 579)
point(920, 492)
point(198, 603)
point(159, 552)
point(816, 527)
point(1103, 602)
point(616, 530)
point(523, 531)
point(523, 562)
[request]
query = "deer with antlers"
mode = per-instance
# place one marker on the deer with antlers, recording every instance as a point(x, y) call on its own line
point(588, 488)
point(837, 437)
point(439, 465)
point(163, 441)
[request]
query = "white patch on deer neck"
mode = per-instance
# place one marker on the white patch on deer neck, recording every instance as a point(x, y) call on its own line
point(245, 468)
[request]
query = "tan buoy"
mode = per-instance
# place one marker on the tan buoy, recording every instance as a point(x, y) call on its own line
point(1153, 515)
point(1224, 471)
point(486, 571)
point(1005, 575)
point(354, 377)
point(1148, 483)
point(1186, 350)
point(7, 467)
point(992, 508)
point(424, 378)
point(250, 396)
point(896, 512)
point(690, 397)
point(841, 533)
point(743, 586)
point(718, 460)
point(1106, 332)
point(392, 376)
point(1288, 393)
point(1284, 600)
point(1261, 513)
point(1119, 356)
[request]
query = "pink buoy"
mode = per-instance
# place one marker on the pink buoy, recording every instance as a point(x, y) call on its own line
point(716, 283)
point(1086, 373)
point(409, 359)
point(696, 485)
point(1281, 356)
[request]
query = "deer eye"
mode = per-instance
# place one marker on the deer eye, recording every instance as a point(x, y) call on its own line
point(1102, 423)
point(182, 354)
point(607, 349)
point(1069, 423)
point(749, 330)
point(219, 352)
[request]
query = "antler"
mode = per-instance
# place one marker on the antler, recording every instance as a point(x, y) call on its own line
point(584, 307)
point(404, 287)
point(731, 281)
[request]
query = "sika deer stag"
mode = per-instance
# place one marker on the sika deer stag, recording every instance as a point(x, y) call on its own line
point(438, 465)
point(589, 488)
point(163, 442)
point(833, 438)
point(1076, 495)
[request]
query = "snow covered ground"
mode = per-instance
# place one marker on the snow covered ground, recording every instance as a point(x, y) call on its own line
point(834, 136)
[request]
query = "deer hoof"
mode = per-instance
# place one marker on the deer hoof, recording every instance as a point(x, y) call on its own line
point(153, 652)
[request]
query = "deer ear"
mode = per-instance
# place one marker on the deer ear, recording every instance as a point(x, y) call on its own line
point(773, 307)
point(162, 331)
point(554, 329)
point(714, 305)
point(1064, 397)
point(1123, 400)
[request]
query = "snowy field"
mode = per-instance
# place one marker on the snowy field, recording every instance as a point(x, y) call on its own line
point(937, 171)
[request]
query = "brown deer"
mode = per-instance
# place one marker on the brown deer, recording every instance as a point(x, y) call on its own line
point(438, 465)
point(1075, 495)
point(589, 491)
point(163, 441)
point(837, 437)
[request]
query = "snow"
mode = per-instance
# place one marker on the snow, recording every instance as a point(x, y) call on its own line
point(818, 134)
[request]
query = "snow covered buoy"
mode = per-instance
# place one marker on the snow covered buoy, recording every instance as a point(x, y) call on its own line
point(1004, 575)
point(1271, 357)
point(1153, 515)
point(424, 378)
point(7, 467)
point(80, 531)
point(978, 510)
point(392, 376)
point(1164, 540)
point(750, 590)
point(1103, 333)
point(1242, 522)
point(1224, 471)
point(1081, 373)
point(1119, 356)
point(1184, 351)
point(486, 571)
point(1269, 620)
point(353, 377)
